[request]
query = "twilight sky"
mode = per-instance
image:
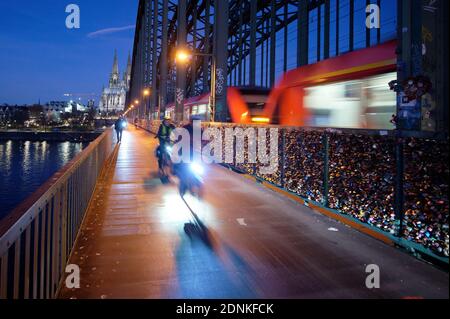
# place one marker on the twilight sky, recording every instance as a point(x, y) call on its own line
point(41, 59)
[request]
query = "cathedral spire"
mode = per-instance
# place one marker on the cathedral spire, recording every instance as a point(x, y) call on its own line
point(129, 64)
point(116, 64)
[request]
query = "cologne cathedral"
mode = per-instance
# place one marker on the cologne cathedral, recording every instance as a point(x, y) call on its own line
point(113, 96)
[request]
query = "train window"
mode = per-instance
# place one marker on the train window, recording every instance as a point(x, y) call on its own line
point(202, 108)
point(352, 90)
point(366, 103)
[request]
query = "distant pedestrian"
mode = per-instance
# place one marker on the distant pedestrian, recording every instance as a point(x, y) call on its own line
point(119, 125)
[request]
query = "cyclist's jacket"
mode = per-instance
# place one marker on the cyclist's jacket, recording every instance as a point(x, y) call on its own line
point(164, 131)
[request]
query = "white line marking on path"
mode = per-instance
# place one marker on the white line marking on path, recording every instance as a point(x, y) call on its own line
point(241, 221)
point(333, 229)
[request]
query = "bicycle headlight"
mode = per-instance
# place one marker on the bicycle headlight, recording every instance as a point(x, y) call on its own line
point(197, 169)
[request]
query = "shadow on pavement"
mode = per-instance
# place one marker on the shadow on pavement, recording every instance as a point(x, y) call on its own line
point(155, 180)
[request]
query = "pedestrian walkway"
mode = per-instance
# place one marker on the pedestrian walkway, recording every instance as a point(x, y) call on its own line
point(139, 240)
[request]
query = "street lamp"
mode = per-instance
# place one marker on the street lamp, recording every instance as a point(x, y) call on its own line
point(146, 94)
point(131, 110)
point(183, 56)
point(136, 104)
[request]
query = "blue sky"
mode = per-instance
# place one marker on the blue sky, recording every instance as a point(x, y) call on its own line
point(41, 59)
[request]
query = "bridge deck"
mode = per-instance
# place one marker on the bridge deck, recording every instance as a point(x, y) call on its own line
point(138, 241)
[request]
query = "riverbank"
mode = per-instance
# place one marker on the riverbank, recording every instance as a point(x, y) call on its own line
point(60, 136)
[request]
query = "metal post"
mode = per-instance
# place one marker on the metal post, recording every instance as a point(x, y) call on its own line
point(351, 25)
point(283, 158)
point(181, 67)
point(326, 45)
point(144, 37)
point(240, 56)
point(221, 62)
point(212, 96)
point(379, 29)
point(194, 47)
point(368, 29)
point(303, 33)
point(326, 168)
point(267, 55)
point(337, 27)
point(319, 26)
point(410, 57)
point(206, 58)
point(253, 9)
point(399, 189)
point(163, 71)
point(273, 22)
point(154, 95)
point(262, 60)
point(285, 40)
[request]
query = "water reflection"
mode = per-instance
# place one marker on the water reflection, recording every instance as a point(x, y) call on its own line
point(25, 165)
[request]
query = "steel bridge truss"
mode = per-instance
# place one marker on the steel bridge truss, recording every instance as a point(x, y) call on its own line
point(242, 35)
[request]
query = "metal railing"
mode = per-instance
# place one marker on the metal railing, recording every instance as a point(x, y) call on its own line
point(37, 237)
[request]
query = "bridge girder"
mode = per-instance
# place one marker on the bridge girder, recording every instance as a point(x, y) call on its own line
point(253, 29)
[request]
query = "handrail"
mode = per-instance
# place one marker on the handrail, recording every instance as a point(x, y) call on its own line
point(37, 237)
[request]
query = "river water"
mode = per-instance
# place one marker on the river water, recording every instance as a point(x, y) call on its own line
point(25, 165)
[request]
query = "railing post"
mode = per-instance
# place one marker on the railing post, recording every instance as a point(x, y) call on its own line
point(399, 190)
point(283, 157)
point(326, 167)
point(16, 276)
point(4, 275)
point(34, 292)
point(26, 280)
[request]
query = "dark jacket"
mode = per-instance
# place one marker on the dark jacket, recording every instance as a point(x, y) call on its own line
point(164, 131)
point(118, 125)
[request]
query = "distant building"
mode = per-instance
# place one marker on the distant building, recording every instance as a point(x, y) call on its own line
point(54, 109)
point(64, 107)
point(13, 114)
point(113, 97)
point(91, 104)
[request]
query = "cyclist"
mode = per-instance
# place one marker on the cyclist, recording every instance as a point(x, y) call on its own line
point(164, 131)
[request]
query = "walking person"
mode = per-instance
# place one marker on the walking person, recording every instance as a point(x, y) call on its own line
point(119, 126)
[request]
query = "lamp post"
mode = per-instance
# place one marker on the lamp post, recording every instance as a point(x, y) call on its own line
point(131, 110)
point(146, 94)
point(136, 104)
point(183, 56)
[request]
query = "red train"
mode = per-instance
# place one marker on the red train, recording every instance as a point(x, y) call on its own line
point(247, 102)
point(350, 91)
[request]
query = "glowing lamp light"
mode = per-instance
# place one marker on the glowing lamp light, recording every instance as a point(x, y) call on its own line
point(260, 120)
point(182, 56)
